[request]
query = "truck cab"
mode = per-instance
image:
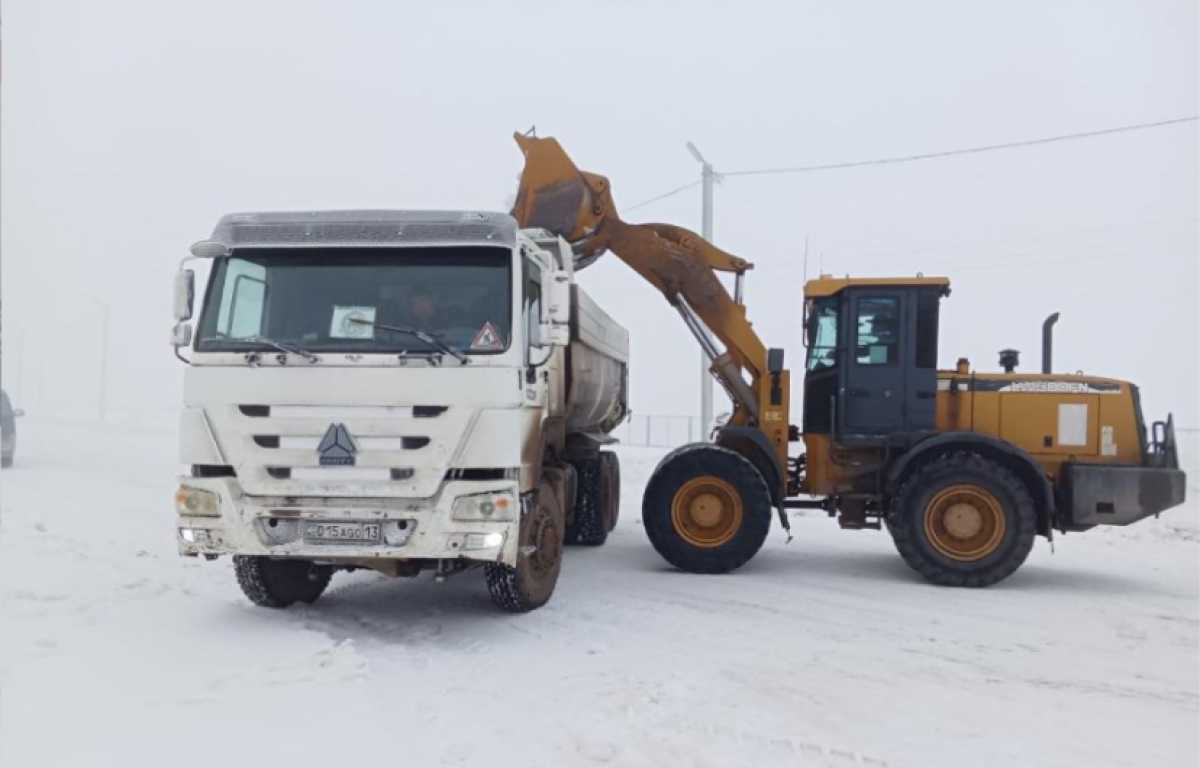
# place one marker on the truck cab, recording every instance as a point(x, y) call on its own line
point(385, 390)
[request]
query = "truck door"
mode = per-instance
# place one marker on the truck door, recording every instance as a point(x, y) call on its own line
point(873, 393)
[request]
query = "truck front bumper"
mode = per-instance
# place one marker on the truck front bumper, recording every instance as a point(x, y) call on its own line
point(1096, 494)
point(409, 529)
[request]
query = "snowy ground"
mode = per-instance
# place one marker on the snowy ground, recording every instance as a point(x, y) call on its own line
point(827, 651)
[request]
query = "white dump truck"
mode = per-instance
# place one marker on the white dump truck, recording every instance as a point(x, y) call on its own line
point(395, 390)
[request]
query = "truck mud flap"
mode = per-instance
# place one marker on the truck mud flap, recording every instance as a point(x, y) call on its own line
point(1108, 495)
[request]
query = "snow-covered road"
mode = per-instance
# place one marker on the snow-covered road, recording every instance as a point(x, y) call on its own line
point(825, 651)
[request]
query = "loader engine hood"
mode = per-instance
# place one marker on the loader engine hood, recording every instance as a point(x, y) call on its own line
point(375, 432)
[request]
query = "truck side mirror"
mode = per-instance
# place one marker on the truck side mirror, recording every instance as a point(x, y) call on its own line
point(185, 293)
point(555, 335)
point(181, 335)
point(556, 297)
point(556, 308)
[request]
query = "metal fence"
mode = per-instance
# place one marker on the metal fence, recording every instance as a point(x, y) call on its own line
point(659, 430)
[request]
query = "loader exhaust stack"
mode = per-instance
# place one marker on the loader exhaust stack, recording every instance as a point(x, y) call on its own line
point(1048, 342)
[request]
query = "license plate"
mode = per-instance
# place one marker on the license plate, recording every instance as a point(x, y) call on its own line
point(341, 533)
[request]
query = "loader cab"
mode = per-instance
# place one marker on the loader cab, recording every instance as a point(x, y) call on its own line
point(871, 368)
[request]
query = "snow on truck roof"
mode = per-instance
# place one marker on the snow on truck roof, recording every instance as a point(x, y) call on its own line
point(301, 229)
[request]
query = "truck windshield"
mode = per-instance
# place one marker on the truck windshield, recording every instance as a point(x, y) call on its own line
point(822, 333)
point(339, 299)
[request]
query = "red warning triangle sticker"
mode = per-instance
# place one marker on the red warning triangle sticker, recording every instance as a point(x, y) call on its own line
point(488, 338)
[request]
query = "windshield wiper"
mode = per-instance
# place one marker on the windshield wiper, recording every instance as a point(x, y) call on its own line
point(279, 345)
point(289, 348)
point(419, 334)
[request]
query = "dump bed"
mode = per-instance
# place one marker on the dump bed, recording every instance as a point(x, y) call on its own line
point(597, 373)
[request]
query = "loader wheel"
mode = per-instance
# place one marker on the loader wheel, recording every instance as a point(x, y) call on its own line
point(706, 509)
point(279, 583)
point(963, 520)
point(587, 521)
point(610, 477)
point(539, 558)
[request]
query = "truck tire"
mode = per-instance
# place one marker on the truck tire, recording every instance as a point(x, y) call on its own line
point(539, 559)
point(963, 520)
point(273, 583)
point(587, 526)
point(706, 509)
point(610, 474)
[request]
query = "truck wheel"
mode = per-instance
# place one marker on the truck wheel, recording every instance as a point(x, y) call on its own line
point(587, 524)
point(610, 474)
point(279, 583)
point(963, 520)
point(539, 558)
point(706, 509)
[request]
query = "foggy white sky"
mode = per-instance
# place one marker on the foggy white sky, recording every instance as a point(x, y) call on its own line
point(128, 128)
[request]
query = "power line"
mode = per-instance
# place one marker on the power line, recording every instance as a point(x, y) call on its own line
point(664, 195)
point(965, 151)
point(929, 155)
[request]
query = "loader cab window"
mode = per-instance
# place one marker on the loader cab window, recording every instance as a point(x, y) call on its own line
point(878, 334)
point(927, 328)
point(821, 380)
point(822, 333)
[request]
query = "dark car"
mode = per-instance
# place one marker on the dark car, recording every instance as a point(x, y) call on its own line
point(8, 429)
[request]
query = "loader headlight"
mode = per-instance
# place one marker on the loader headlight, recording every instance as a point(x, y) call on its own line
point(193, 502)
point(485, 506)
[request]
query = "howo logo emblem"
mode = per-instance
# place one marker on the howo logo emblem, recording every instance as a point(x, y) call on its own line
point(337, 448)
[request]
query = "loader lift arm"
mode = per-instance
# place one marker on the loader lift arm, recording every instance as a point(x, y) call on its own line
point(555, 195)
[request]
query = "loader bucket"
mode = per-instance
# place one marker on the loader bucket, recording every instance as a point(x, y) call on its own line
point(556, 196)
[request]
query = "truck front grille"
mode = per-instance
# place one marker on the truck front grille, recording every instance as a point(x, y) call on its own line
point(401, 451)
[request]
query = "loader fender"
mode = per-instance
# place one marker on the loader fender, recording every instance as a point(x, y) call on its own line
point(753, 444)
point(1014, 457)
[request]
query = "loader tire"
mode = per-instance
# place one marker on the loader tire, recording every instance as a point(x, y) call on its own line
point(531, 582)
point(273, 583)
point(587, 526)
point(963, 520)
point(706, 509)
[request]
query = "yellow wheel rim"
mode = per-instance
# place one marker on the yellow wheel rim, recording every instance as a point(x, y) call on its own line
point(965, 522)
point(706, 512)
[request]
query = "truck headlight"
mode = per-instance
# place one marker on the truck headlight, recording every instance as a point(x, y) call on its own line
point(195, 535)
point(485, 506)
point(193, 502)
point(483, 540)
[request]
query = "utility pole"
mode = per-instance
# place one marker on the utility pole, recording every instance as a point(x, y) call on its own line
point(707, 177)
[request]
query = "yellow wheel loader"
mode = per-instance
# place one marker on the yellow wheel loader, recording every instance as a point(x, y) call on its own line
point(962, 468)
